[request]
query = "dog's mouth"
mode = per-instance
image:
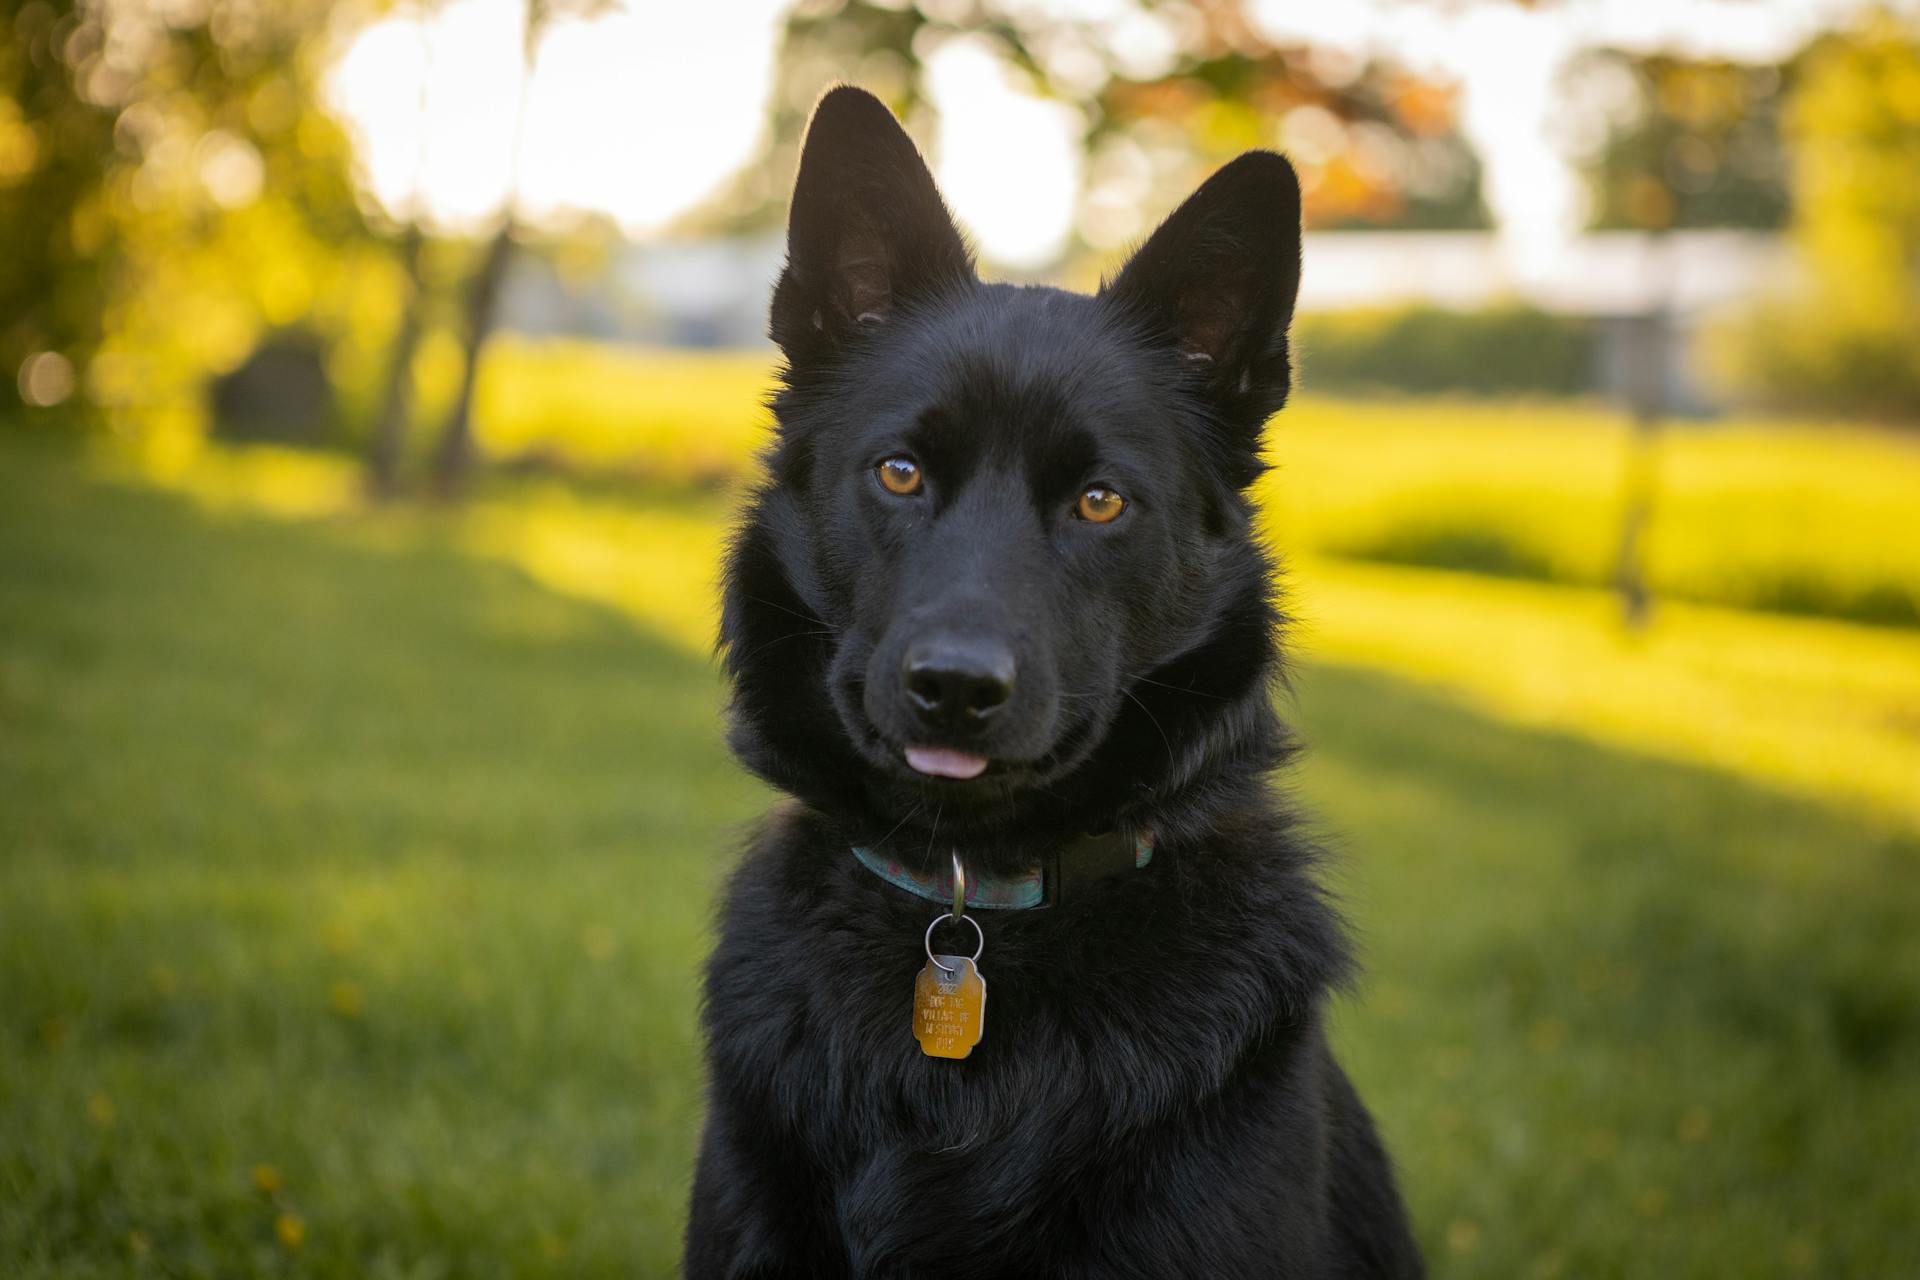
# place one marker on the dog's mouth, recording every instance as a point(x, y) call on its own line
point(945, 762)
point(955, 772)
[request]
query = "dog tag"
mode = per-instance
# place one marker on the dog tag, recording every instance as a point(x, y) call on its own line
point(949, 1007)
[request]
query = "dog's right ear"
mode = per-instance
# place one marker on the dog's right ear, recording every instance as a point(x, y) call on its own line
point(867, 230)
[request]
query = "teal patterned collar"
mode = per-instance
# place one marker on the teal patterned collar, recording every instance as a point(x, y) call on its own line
point(1029, 888)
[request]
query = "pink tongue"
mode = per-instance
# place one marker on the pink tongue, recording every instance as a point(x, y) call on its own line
point(942, 762)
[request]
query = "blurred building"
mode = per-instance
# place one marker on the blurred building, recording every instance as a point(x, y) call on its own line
point(1636, 287)
point(684, 293)
point(713, 292)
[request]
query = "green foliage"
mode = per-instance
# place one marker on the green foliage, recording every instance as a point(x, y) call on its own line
point(1502, 350)
point(173, 190)
point(1845, 340)
point(56, 264)
point(338, 950)
point(1377, 146)
point(1681, 142)
point(1855, 125)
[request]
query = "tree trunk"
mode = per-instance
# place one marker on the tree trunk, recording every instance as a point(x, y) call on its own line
point(1647, 387)
point(454, 457)
point(389, 444)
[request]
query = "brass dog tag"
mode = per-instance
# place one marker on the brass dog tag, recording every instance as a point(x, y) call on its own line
point(949, 1007)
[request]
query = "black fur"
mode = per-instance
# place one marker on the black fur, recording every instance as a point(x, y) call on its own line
point(1154, 1095)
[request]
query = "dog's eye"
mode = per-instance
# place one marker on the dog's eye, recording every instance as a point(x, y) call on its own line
point(1099, 504)
point(899, 475)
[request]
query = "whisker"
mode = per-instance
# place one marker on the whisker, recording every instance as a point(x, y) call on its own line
point(768, 644)
point(877, 844)
point(934, 831)
point(1172, 763)
point(1162, 684)
point(804, 617)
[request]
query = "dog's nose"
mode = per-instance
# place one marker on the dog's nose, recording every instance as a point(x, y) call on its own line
point(956, 682)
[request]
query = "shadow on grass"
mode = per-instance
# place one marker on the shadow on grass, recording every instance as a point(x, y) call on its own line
point(1614, 998)
point(1497, 553)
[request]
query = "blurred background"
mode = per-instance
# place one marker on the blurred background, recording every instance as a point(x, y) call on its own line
point(379, 376)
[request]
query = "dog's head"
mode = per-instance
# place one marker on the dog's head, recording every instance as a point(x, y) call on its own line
point(1001, 570)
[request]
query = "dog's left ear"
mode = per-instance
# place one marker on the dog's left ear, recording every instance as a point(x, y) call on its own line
point(1217, 281)
point(867, 231)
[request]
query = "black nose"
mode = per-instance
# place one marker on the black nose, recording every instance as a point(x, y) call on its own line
point(957, 682)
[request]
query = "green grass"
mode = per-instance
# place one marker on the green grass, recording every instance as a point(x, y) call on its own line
point(383, 869)
point(354, 887)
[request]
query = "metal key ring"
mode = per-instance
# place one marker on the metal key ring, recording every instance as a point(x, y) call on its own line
point(959, 886)
point(978, 933)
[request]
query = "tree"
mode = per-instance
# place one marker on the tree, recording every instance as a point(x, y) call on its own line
point(1843, 339)
point(54, 274)
point(172, 191)
point(1680, 142)
point(454, 453)
point(1376, 145)
point(1854, 120)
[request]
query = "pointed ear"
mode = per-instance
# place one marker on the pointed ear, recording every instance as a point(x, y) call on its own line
point(867, 230)
point(1217, 282)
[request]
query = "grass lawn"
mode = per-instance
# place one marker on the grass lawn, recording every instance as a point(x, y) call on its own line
point(353, 884)
point(1804, 517)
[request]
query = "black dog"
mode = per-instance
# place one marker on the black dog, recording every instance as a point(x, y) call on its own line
point(998, 601)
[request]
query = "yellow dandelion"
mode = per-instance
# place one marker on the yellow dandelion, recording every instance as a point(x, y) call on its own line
point(1695, 1123)
point(164, 981)
point(345, 998)
point(1462, 1234)
point(1652, 1203)
point(139, 1244)
point(267, 1178)
point(290, 1230)
point(337, 938)
point(100, 1110)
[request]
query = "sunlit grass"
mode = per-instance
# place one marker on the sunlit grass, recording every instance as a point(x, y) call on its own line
point(671, 414)
point(1828, 708)
point(1805, 517)
point(657, 562)
point(1824, 708)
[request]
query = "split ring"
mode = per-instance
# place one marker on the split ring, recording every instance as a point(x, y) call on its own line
point(978, 933)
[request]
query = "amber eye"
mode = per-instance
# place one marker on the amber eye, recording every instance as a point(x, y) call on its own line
point(899, 475)
point(1099, 504)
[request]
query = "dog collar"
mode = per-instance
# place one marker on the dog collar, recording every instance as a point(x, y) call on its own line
point(1064, 874)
